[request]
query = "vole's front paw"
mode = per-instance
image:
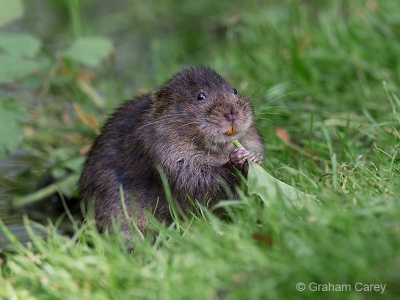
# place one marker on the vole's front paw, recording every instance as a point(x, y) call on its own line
point(239, 158)
point(256, 157)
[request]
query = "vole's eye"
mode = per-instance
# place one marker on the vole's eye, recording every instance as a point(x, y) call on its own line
point(201, 96)
point(234, 91)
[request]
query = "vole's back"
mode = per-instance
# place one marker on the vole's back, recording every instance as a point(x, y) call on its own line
point(119, 158)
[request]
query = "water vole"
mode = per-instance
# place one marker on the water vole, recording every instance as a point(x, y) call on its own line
point(186, 127)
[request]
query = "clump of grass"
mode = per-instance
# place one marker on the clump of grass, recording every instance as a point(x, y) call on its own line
point(262, 252)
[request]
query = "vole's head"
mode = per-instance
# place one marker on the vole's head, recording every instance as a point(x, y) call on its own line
point(200, 103)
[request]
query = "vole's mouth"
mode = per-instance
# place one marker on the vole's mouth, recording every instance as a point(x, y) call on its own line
point(231, 130)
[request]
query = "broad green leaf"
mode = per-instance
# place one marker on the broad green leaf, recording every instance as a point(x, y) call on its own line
point(260, 183)
point(10, 10)
point(12, 117)
point(19, 44)
point(15, 51)
point(13, 67)
point(89, 51)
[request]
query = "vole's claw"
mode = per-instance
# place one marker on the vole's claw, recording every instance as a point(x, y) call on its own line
point(239, 156)
point(257, 158)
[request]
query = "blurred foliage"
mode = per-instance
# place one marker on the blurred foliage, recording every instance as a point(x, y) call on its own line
point(10, 10)
point(12, 116)
point(89, 51)
point(18, 57)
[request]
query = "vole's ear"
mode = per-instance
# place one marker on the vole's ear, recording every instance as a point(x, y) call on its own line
point(163, 93)
point(161, 98)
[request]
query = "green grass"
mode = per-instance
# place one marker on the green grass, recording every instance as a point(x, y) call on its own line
point(336, 69)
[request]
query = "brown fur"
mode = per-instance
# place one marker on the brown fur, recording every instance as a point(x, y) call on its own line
point(171, 128)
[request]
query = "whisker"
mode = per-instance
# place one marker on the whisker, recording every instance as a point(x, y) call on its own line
point(160, 120)
point(271, 90)
point(269, 120)
point(280, 86)
point(284, 95)
point(271, 113)
point(275, 106)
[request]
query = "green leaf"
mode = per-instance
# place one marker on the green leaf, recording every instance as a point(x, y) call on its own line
point(89, 51)
point(260, 183)
point(14, 67)
point(12, 117)
point(20, 44)
point(10, 10)
point(14, 58)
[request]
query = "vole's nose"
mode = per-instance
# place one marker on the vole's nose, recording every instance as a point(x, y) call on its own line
point(231, 115)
